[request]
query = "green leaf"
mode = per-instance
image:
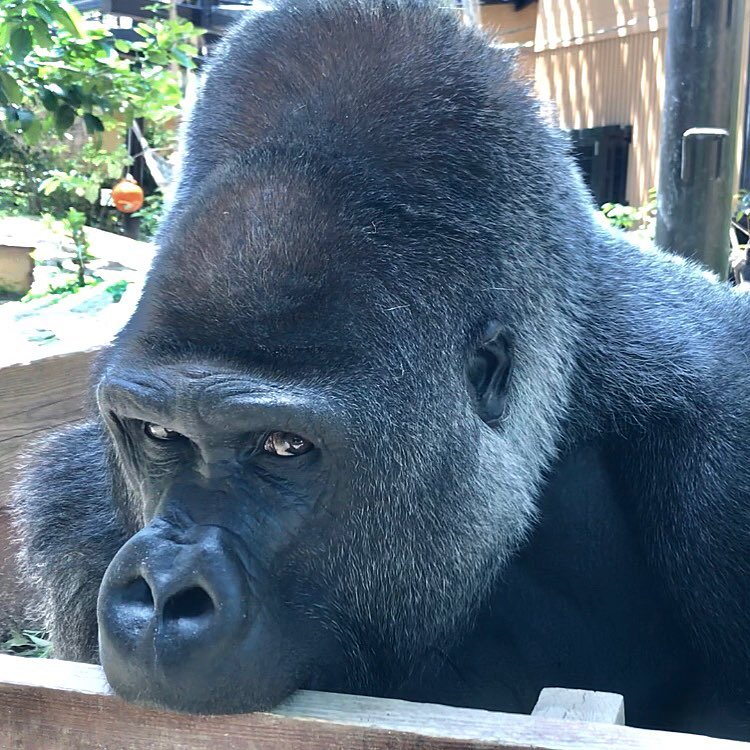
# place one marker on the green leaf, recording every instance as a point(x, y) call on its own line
point(68, 17)
point(43, 12)
point(10, 88)
point(122, 45)
point(73, 95)
point(37, 641)
point(41, 33)
point(49, 185)
point(50, 100)
point(6, 29)
point(20, 43)
point(93, 123)
point(33, 132)
point(25, 118)
point(184, 60)
point(64, 118)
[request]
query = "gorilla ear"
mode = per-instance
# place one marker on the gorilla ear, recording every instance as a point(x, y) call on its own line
point(488, 370)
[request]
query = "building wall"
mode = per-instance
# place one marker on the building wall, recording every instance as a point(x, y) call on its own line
point(509, 26)
point(561, 23)
point(601, 62)
point(613, 81)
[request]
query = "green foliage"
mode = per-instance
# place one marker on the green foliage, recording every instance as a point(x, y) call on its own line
point(55, 292)
point(633, 218)
point(49, 178)
point(742, 206)
point(74, 223)
point(740, 224)
point(117, 289)
point(32, 643)
point(91, 168)
point(620, 216)
point(56, 70)
point(149, 214)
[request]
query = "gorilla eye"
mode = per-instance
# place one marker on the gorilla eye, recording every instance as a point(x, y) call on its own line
point(286, 444)
point(158, 432)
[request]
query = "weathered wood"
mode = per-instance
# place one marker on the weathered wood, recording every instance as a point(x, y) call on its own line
point(37, 397)
point(53, 705)
point(583, 705)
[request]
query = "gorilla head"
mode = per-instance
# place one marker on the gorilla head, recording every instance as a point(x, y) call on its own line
point(327, 410)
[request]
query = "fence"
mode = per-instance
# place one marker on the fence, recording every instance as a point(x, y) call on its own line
point(34, 398)
point(56, 705)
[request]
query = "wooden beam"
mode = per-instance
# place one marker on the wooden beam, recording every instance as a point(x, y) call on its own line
point(54, 705)
point(37, 397)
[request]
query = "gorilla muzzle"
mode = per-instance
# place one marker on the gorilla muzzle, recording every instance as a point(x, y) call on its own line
point(173, 603)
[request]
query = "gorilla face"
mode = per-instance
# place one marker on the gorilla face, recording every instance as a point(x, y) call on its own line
point(282, 525)
point(325, 457)
point(200, 610)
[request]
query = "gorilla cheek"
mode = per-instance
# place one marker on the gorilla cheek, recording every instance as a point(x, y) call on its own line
point(180, 627)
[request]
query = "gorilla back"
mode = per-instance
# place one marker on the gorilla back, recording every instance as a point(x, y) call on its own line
point(385, 420)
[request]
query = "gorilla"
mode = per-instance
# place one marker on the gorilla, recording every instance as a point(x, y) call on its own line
point(357, 438)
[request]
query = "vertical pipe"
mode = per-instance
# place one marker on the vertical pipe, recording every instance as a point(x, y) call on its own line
point(699, 129)
point(745, 163)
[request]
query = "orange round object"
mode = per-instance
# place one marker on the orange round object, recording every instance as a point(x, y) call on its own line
point(127, 195)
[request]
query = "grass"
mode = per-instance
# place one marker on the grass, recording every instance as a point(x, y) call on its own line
point(31, 643)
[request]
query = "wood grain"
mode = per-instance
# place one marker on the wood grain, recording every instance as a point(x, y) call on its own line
point(53, 705)
point(35, 398)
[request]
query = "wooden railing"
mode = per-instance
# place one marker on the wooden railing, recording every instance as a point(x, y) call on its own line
point(54, 705)
point(35, 398)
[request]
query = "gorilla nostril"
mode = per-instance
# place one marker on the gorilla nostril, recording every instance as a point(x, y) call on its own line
point(138, 592)
point(190, 603)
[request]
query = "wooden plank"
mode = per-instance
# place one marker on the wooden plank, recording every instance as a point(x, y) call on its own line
point(38, 418)
point(43, 381)
point(54, 705)
point(37, 397)
point(583, 705)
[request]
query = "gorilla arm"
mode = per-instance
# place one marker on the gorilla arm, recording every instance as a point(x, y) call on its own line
point(69, 531)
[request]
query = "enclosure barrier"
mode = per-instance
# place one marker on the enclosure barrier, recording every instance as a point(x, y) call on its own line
point(55, 705)
point(36, 397)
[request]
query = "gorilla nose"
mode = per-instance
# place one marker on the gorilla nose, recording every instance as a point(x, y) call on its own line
point(188, 605)
point(171, 606)
point(191, 603)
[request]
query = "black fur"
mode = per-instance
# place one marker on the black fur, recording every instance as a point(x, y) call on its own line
point(369, 205)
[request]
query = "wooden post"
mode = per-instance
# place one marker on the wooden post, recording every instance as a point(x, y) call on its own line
point(584, 705)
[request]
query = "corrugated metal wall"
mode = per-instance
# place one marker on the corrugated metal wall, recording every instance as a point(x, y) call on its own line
point(613, 81)
point(564, 22)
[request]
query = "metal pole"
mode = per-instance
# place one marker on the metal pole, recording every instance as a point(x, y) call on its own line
point(745, 164)
point(699, 129)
